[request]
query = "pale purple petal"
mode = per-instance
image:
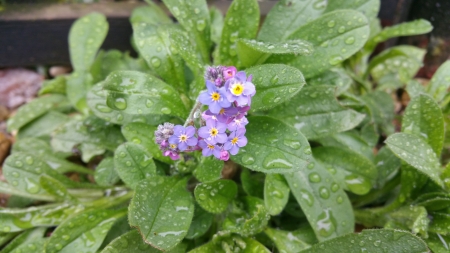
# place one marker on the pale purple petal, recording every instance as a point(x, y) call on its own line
point(249, 89)
point(203, 132)
point(234, 150)
point(221, 138)
point(210, 86)
point(224, 103)
point(227, 145)
point(240, 75)
point(242, 141)
point(249, 78)
point(206, 152)
point(192, 141)
point(182, 146)
point(214, 107)
point(202, 144)
point(221, 127)
point(216, 153)
point(173, 139)
point(240, 132)
point(178, 129)
point(242, 100)
point(204, 98)
point(190, 131)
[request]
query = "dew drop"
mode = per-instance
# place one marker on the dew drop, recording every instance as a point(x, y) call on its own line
point(334, 60)
point(324, 193)
point(31, 186)
point(248, 160)
point(339, 199)
point(274, 79)
point(103, 108)
point(202, 196)
point(176, 11)
point(307, 151)
point(119, 117)
point(309, 199)
point(29, 160)
point(277, 194)
point(65, 237)
point(341, 29)
point(276, 160)
point(350, 40)
point(201, 24)
point(128, 163)
point(166, 110)
point(122, 154)
point(120, 103)
point(15, 174)
point(156, 62)
point(292, 143)
point(358, 184)
point(331, 23)
point(311, 165)
point(148, 103)
point(334, 187)
point(314, 177)
point(18, 164)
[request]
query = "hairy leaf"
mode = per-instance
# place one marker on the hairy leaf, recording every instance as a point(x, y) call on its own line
point(323, 201)
point(241, 22)
point(162, 210)
point(214, 197)
point(276, 193)
point(287, 15)
point(273, 147)
point(440, 82)
point(275, 84)
point(316, 113)
point(417, 153)
point(209, 169)
point(336, 77)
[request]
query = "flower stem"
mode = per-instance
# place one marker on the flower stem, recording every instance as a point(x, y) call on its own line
point(190, 118)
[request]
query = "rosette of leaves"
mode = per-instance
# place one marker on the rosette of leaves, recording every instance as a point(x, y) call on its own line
point(86, 175)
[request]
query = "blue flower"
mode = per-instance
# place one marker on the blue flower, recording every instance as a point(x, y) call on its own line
point(235, 141)
point(209, 149)
point(239, 89)
point(213, 132)
point(183, 137)
point(214, 97)
point(237, 124)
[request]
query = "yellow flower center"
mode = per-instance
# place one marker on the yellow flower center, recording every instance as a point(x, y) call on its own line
point(234, 140)
point(222, 111)
point(215, 96)
point(183, 138)
point(210, 146)
point(237, 89)
point(213, 132)
point(173, 146)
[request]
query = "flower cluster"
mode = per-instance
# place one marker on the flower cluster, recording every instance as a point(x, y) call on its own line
point(228, 96)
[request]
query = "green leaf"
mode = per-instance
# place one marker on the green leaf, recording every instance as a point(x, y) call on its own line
point(324, 202)
point(56, 189)
point(84, 232)
point(415, 27)
point(438, 243)
point(433, 201)
point(214, 197)
point(275, 84)
point(43, 126)
point(56, 85)
point(440, 223)
point(132, 242)
point(353, 171)
point(286, 16)
point(252, 52)
point(241, 22)
point(423, 118)
point(85, 38)
point(253, 183)
point(381, 110)
point(248, 219)
point(316, 113)
point(78, 84)
point(133, 163)
point(350, 140)
point(273, 147)
point(440, 82)
point(410, 218)
point(209, 169)
point(37, 245)
point(414, 88)
point(336, 77)
point(395, 66)
point(105, 174)
point(216, 24)
point(24, 170)
point(387, 165)
point(186, 50)
point(417, 153)
point(194, 17)
point(137, 93)
point(143, 134)
point(56, 161)
point(376, 241)
point(369, 8)
point(151, 14)
point(157, 49)
point(28, 236)
point(96, 100)
point(347, 32)
point(162, 210)
point(93, 136)
point(200, 223)
point(276, 193)
point(286, 241)
point(239, 244)
point(34, 110)
point(13, 220)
